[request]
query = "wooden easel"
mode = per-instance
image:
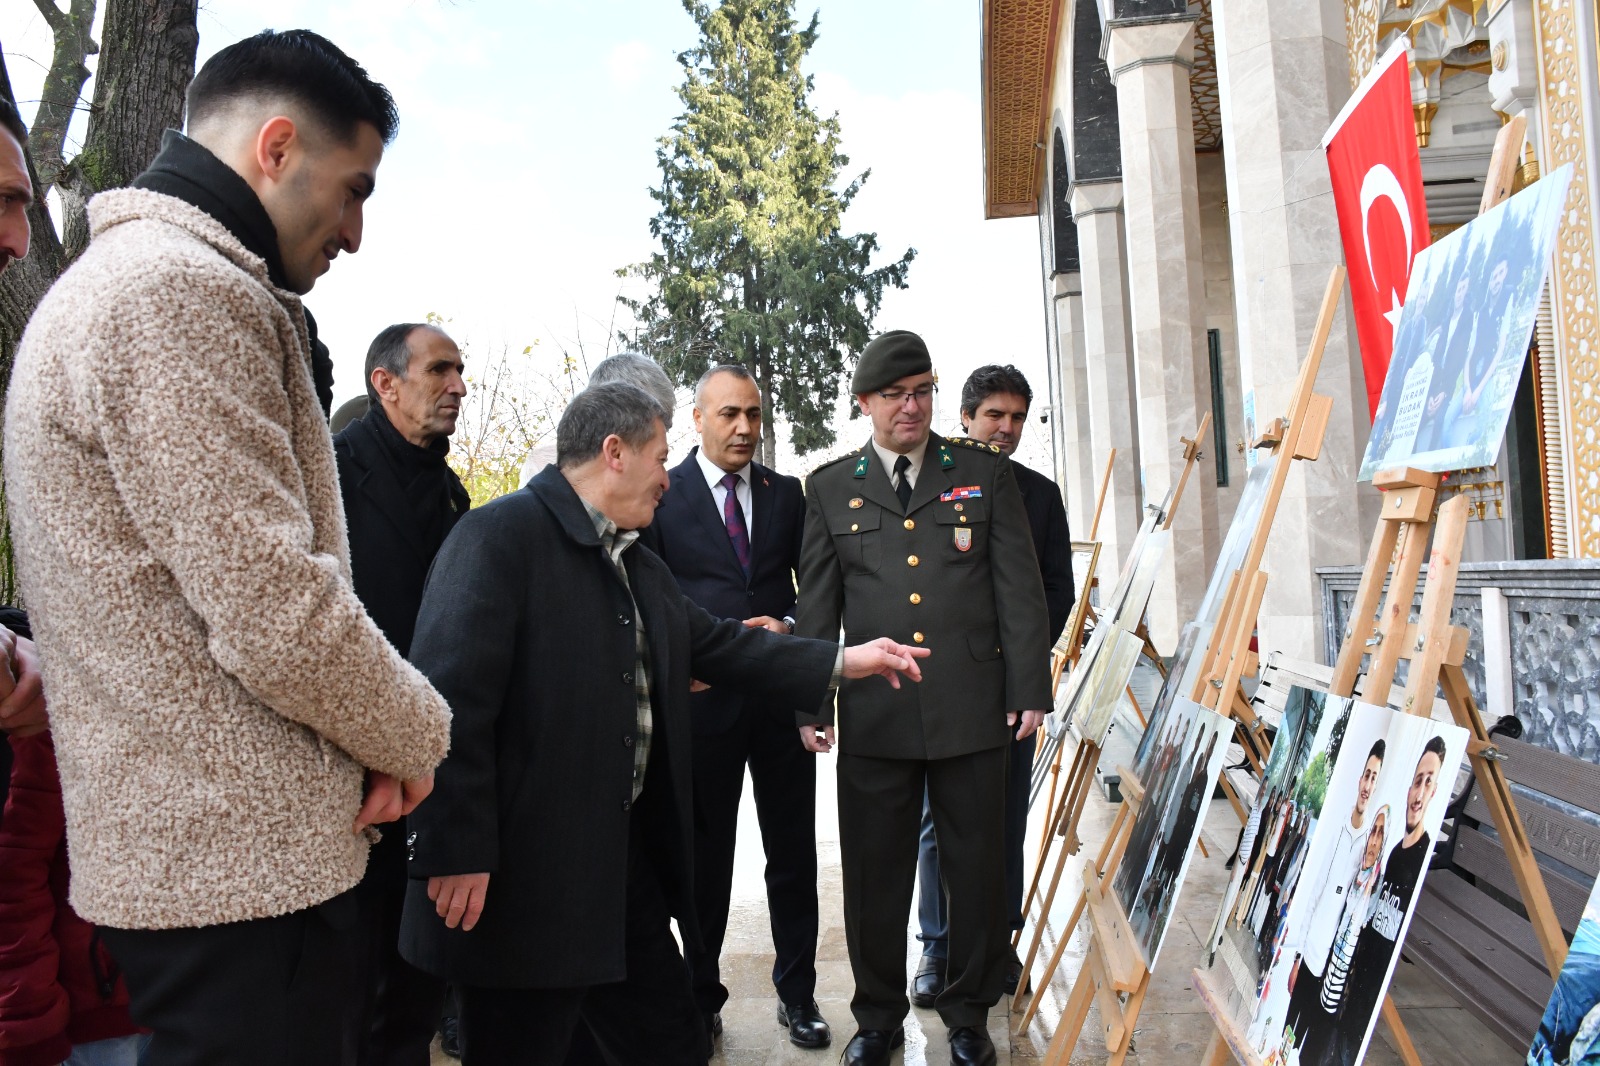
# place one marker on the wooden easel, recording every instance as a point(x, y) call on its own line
point(1434, 650)
point(1064, 818)
point(1069, 646)
point(1114, 967)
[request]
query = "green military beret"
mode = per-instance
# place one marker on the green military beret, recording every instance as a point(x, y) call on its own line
point(888, 358)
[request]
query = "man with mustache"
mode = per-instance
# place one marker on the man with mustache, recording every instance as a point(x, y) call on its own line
point(401, 499)
point(729, 530)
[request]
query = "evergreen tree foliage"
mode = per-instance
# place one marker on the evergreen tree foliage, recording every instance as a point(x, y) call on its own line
point(754, 268)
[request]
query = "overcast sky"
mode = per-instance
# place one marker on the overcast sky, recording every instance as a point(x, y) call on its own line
point(528, 129)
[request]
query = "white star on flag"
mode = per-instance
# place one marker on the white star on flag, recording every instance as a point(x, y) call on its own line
point(1393, 314)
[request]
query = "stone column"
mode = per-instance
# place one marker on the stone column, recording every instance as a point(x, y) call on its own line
point(1284, 72)
point(1150, 64)
point(1072, 415)
point(1108, 360)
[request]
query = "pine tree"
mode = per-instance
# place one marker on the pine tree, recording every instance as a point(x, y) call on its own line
point(753, 267)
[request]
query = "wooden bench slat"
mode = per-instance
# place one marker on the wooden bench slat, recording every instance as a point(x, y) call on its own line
point(1449, 899)
point(1497, 986)
point(1551, 832)
point(1486, 860)
point(1561, 776)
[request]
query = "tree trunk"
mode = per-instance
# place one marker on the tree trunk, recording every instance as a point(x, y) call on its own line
point(147, 52)
point(769, 431)
point(147, 55)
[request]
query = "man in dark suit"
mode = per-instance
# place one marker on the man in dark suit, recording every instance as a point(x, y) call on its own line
point(558, 842)
point(730, 531)
point(401, 499)
point(994, 410)
point(927, 539)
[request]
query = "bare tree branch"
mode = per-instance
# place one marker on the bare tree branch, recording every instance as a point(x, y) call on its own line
point(52, 14)
point(63, 85)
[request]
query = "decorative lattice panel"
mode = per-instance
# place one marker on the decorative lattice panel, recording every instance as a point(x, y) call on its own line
point(1203, 95)
point(1019, 54)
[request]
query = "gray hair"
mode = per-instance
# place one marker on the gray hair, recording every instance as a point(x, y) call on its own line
point(738, 371)
point(615, 407)
point(391, 349)
point(643, 372)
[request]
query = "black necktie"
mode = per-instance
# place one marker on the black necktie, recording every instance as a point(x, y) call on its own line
point(902, 489)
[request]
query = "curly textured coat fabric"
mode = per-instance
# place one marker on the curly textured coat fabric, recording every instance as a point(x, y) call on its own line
point(215, 687)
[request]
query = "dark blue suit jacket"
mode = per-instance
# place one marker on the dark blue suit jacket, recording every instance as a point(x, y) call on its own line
point(1052, 543)
point(689, 534)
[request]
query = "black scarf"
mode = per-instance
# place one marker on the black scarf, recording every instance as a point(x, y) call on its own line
point(187, 171)
point(424, 476)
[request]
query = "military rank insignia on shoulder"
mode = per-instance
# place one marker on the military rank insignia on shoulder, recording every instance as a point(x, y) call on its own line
point(836, 460)
point(968, 442)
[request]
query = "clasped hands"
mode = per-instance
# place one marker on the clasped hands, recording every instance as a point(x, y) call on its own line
point(22, 707)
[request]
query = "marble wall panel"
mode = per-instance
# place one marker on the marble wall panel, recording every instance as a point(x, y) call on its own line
point(1282, 75)
point(1554, 645)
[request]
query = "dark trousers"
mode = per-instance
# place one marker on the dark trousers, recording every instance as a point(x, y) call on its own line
point(932, 911)
point(784, 777)
point(648, 1019)
point(880, 811)
point(1312, 1025)
point(400, 1005)
point(257, 993)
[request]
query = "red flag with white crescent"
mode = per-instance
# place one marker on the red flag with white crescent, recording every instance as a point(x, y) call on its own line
point(1383, 217)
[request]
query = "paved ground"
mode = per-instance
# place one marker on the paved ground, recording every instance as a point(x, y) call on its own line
point(1173, 1028)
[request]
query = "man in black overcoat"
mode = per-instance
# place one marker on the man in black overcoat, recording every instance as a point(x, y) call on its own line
point(730, 529)
point(994, 410)
point(558, 842)
point(401, 499)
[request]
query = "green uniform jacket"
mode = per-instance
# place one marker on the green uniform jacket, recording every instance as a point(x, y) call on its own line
point(936, 575)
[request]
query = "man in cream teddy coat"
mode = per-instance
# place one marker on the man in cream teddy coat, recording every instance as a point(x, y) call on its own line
point(229, 722)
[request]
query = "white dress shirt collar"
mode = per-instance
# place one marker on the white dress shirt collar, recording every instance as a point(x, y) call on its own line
point(714, 475)
point(889, 458)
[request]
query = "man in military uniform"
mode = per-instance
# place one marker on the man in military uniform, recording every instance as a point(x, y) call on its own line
point(923, 538)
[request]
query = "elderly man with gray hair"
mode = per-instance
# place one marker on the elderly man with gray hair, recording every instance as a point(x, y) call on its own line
point(558, 841)
point(633, 368)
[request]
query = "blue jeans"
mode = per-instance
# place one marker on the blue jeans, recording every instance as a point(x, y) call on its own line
point(932, 919)
point(117, 1051)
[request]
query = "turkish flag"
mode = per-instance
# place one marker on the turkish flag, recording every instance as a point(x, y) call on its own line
point(1383, 217)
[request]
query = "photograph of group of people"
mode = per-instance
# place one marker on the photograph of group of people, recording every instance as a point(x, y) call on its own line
point(1327, 871)
point(1088, 696)
point(1188, 659)
point(1569, 1032)
point(1178, 789)
point(1097, 683)
point(1462, 337)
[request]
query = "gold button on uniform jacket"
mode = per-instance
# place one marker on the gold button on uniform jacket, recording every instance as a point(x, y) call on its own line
point(953, 571)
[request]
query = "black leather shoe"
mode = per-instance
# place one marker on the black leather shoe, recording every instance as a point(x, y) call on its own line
point(807, 1027)
point(872, 1047)
point(928, 982)
point(713, 1030)
point(450, 1036)
point(970, 1046)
